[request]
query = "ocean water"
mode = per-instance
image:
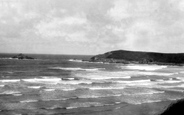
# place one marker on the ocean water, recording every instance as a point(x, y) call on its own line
point(61, 84)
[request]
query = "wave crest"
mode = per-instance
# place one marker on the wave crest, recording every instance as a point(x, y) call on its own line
point(77, 69)
point(145, 67)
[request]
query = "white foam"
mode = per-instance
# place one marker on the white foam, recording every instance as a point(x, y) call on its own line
point(40, 80)
point(99, 96)
point(54, 99)
point(10, 80)
point(93, 69)
point(49, 89)
point(34, 87)
point(117, 102)
point(43, 80)
point(180, 78)
point(145, 67)
point(70, 78)
point(96, 77)
point(77, 69)
point(75, 60)
point(105, 88)
point(106, 75)
point(156, 73)
point(135, 81)
point(28, 101)
point(10, 92)
point(17, 94)
point(68, 89)
point(1, 85)
point(90, 96)
point(147, 101)
point(182, 86)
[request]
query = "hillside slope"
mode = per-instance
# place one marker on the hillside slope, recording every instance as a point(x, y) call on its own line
point(123, 56)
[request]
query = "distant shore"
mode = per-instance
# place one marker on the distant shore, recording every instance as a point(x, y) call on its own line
point(137, 57)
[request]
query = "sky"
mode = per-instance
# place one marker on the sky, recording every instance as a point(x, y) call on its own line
point(91, 26)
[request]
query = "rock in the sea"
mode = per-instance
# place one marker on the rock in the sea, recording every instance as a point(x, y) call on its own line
point(21, 56)
point(137, 57)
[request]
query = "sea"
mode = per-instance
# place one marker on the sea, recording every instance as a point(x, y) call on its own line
point(66, 84)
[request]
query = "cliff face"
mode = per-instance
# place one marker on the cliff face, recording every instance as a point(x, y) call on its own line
point(123, 56)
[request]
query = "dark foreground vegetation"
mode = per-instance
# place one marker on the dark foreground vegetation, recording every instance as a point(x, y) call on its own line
point(127, 57)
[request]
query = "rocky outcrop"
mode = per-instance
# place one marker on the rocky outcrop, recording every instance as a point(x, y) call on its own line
point(21, 56)
point(128, 57)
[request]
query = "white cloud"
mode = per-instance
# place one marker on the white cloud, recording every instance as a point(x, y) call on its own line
point(132, 8)
point(181, 5)
point(63, 28)
point(75, 20)
point(119, 11)
point(76, 37)
point(100, 25)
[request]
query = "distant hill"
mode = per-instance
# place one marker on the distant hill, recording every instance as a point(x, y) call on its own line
point(127, 57)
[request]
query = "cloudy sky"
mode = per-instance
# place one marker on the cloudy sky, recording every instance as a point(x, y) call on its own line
point(91, 26)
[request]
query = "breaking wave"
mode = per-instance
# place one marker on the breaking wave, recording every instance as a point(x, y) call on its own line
point(9, 92)
point(28, 101)
point(10, 80)
point(145, 67)
point(105, 88)
point(147, 101)
point(34, 87)
point(136, 82)
point(75, 60)
point(106, 75)
point(77, 69)
point(49, 89)
point(43, 80)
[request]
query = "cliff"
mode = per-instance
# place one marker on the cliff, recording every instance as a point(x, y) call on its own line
point(128, 57)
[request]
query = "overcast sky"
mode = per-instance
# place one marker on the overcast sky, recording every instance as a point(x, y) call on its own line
point(91, 26)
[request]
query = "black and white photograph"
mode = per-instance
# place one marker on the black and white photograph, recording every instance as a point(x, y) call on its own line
point(91, 57)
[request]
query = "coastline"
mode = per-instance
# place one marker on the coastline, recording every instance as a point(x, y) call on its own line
point(138, 57)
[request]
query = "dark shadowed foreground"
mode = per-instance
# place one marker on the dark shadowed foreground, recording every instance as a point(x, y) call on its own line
point(175, 109)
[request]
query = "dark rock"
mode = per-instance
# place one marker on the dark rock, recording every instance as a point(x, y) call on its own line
point(21, 56)
point(137, 57)
point(175, 109)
